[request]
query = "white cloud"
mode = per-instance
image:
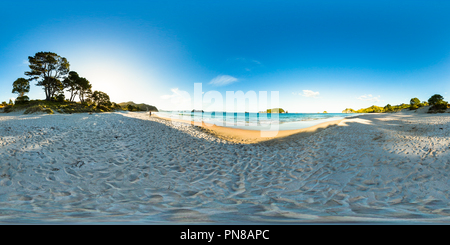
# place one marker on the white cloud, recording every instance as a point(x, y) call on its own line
point(178, 97)
point(25, 63)
point(369, 97)
point(257, 62)
point(223, 80)
point(310, 93)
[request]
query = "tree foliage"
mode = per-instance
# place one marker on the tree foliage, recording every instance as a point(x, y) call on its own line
point(275, 110)
point(348, 110)
point(372, 109)
point(435, 99)
point(60, 97)
point(378, 109)
point(83, 89)
point(388, 108)
point(21, 86)
point(101, 99)
point(48, 69)
point(437, 103)
point(51, 71)
point(70, 83)
point(415, 104)
point(414, 101)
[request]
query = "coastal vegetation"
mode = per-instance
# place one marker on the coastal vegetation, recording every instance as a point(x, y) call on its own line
point(52, 72)
point(48, 69)
point(194, 110)
point(21, 86)
point(131, 106)
point(436, 103)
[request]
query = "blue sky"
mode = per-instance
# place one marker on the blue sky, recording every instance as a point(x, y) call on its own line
point(319, 55)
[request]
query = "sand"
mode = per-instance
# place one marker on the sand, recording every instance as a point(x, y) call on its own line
point(128, 168)
point(243, 136)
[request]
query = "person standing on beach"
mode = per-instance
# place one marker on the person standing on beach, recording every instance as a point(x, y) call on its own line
point(150, 113)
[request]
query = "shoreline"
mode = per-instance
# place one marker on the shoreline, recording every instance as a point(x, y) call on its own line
point(249, 136)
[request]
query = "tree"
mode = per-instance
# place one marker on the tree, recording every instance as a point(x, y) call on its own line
point(21, 86)
point(275, 110)
point(414, 101)
point(130, 108)
point(435, 99)
point(437, 103)
point(56, 86)
point(348, 110)
point(60, 97)
point(101, 99)
point(415, 104)
point(47, 69)
point(388, 108)
point(70, 83)
point(83, 89)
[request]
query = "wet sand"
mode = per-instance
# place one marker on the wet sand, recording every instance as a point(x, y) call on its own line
point(245, 136)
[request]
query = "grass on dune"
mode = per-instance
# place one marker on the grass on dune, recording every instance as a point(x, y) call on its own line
point(50, 107)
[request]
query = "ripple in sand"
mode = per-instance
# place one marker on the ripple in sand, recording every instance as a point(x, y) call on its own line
point(185, 215)
point(25, 198)
point(133, 178)
point(189, 193)
point(155, 198)
point(50, 177)
point(61, 193)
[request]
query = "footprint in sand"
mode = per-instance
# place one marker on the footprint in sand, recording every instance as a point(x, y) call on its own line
point(189, 193)
point(133, 178)
point(5, 182)
point(50, 177)
point(155, 198)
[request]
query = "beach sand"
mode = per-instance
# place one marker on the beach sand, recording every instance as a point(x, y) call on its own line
point(243, 136)
point(125, 167)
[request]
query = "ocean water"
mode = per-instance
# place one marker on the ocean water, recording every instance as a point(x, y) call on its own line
point(257, 121)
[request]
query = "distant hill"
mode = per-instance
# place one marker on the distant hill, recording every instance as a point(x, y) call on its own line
point(141, 106)
point(275, 110)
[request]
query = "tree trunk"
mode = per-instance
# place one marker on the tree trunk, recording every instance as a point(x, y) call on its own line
point(47, 94)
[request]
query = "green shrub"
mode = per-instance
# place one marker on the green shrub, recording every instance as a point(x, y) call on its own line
point(60, 98)
point(48, 111)
point(34, 109)
point(22, 100)
point(414, 101)
point(439, 107)
point(435, 99)
point(8, 108)
point(103, 108)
